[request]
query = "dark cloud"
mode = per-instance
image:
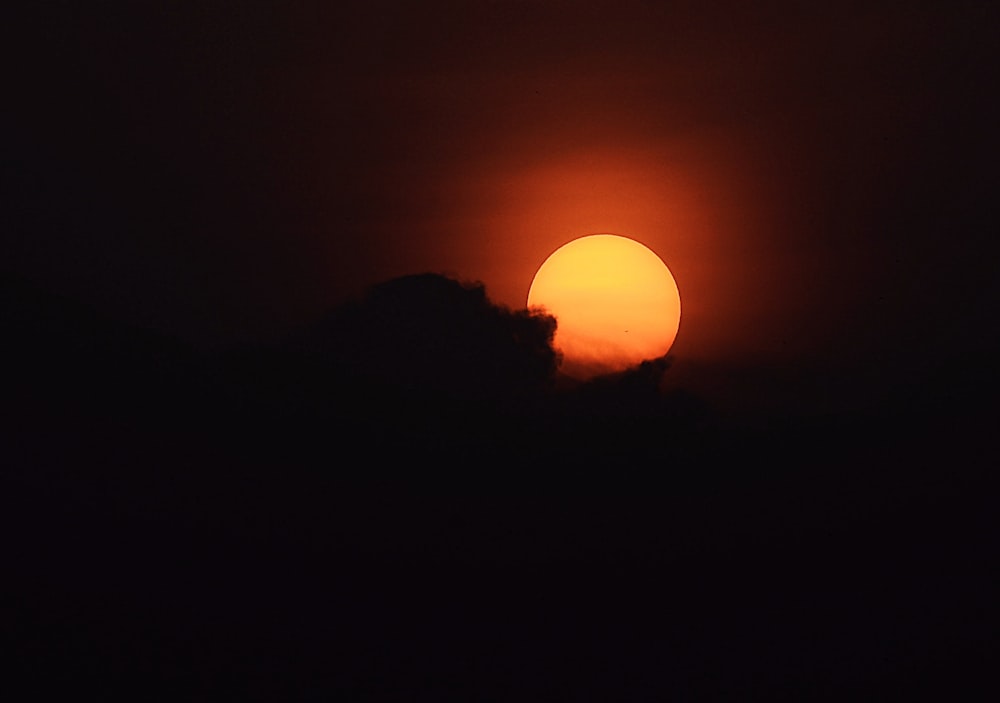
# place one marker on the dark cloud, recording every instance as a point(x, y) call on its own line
point(434, 335)
point(422, 368)
point(409, 485)
point(428, 367)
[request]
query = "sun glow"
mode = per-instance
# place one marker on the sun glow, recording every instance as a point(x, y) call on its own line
point(615, 301)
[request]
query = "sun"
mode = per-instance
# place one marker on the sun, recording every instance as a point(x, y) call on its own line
point(615, 302)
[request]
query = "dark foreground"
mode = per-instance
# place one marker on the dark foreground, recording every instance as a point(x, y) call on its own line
point(177, 528)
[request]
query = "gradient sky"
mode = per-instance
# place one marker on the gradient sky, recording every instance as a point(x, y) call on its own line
point(815, 177)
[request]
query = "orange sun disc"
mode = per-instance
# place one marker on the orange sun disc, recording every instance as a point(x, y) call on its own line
point(615, 302)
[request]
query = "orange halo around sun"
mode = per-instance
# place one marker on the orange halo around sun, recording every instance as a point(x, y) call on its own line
point(615, 301)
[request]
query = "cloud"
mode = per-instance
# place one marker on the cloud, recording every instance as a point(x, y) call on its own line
point(433, 335)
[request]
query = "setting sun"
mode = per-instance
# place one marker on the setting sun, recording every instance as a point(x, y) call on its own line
point(615, 301)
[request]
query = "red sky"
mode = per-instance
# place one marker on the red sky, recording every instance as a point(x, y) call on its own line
point(223, 169)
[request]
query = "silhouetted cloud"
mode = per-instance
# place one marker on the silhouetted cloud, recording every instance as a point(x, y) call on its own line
point(603, 492)
point(428, 333)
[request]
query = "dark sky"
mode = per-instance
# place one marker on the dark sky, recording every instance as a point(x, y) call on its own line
point(820, 179)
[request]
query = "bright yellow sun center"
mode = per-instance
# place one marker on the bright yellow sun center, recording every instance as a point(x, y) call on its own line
point(615, 301)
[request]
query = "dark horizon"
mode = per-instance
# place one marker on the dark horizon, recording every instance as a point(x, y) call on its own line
point(360, 512)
